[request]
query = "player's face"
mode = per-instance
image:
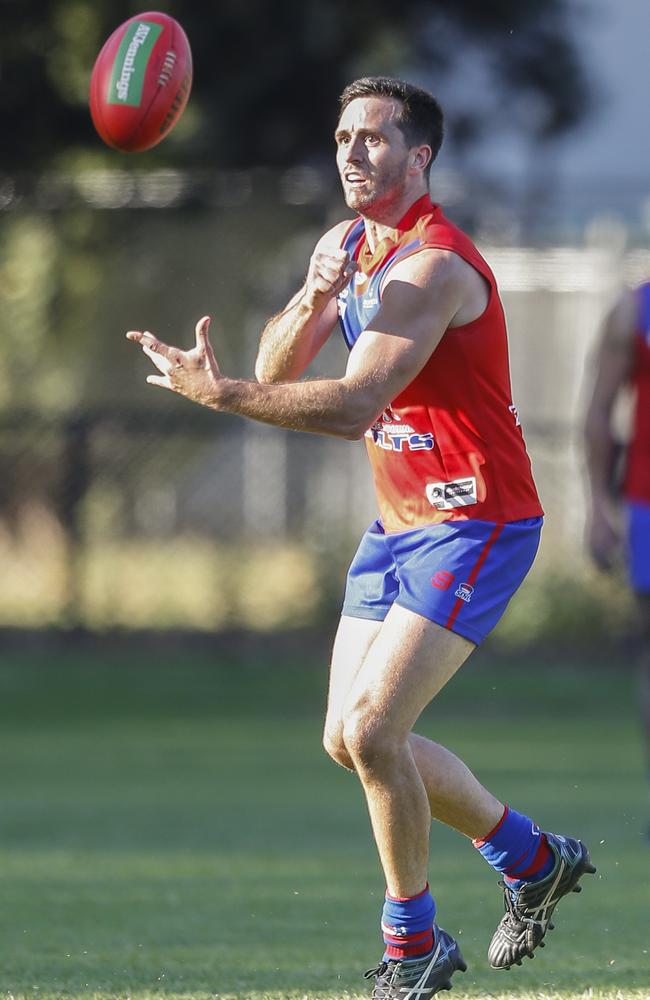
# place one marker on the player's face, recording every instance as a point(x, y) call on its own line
point(371, 155)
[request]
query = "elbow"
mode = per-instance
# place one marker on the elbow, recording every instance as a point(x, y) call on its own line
point(358, 413)
point(357, 424)
point(354, 433)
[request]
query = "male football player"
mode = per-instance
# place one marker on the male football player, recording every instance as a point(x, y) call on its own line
point(427, 384)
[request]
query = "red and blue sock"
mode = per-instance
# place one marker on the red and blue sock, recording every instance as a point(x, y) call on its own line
point(407, 926)
point(517, 848)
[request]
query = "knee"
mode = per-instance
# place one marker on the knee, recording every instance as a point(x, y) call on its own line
point(366, 738)
point(335, 746)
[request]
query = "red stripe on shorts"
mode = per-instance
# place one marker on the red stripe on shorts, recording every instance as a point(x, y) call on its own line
point(471, 579)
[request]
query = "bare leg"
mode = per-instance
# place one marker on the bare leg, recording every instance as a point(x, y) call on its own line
point(455, 796)
point(407, 660)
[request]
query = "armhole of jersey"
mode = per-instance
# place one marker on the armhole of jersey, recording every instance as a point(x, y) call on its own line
point(348, 232)
point(483, 270)
point(346, 236)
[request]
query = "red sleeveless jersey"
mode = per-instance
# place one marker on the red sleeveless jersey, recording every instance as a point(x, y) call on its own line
point(637, 477)
point(449, 447)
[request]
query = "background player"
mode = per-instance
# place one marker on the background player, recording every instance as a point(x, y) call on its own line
point(427, 383)
point(623, 361)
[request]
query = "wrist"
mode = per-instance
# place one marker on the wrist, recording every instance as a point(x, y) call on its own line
point(214, 394)
point(312, 304)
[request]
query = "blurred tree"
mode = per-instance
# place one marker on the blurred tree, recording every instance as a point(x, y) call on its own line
point(267, 75)
point(267, 79)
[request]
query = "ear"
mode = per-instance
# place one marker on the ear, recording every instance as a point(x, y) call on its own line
point(421, 157)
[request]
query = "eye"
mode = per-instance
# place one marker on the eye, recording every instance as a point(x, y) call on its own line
point(372, 140)
point(342, 140)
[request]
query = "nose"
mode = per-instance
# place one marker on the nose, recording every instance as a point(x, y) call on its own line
point(353, 152)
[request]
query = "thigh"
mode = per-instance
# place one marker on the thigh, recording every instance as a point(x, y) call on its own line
point(353, 639)
point(409, 661)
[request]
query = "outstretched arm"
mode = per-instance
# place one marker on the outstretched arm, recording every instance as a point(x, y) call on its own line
point(612, 370)
point(422, 298)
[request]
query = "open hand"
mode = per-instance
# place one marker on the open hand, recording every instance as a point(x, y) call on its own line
point(604, 539)
point(194, 373)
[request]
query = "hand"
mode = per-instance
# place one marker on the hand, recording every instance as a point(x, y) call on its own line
point(194, 374)
point(329, 272)
point(603, 538)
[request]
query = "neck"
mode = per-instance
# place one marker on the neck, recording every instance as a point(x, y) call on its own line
point(383, 221)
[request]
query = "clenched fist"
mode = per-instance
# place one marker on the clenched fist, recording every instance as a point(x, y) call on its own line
point(329, 272)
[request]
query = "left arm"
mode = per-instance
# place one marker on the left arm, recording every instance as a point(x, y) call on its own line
point(424, 294)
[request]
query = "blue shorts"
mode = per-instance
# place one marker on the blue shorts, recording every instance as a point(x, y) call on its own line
point(638, 545)
point(459, 575)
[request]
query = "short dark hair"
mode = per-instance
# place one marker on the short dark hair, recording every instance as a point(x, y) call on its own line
point(421, 119)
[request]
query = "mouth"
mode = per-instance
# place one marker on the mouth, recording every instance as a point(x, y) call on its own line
point(355, 179)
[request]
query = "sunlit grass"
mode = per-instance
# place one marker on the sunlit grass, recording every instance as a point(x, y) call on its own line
point(173, 828)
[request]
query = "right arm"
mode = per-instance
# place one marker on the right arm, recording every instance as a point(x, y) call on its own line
point(292, 338)
point(613, 365)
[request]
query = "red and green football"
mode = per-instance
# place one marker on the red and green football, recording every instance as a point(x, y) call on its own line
point(140, 82)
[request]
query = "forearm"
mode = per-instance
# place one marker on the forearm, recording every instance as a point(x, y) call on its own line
point(327, 406)
point(286, 342)
point(599, 451)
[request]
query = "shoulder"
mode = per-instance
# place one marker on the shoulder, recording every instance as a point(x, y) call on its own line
point(432, 267)
point(333, 238)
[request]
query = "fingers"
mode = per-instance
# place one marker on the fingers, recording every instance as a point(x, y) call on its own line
point(164, 383)
point(203, 344)
point(180, 371)
point(146, 339)
point(162, 363)
point(350, 268)
point(201, 331)
point(331, 271)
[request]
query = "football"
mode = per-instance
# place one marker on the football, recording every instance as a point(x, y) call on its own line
point(140, 82)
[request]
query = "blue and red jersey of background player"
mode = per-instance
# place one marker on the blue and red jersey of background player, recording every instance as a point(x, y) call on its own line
point(449, 447)
point(637, 476)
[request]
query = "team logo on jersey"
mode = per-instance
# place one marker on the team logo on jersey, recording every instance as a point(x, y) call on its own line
point(370, 302)
point(464, 591)
point(449, 496)
point(391, 433)
point(400, 437)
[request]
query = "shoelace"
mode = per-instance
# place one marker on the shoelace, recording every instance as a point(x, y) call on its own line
point(515, 916)
point(510, 903)
point(379, 971)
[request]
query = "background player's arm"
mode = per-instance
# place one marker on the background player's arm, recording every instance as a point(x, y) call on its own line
point(424, 295)
point(612, 371)
point(292, 338)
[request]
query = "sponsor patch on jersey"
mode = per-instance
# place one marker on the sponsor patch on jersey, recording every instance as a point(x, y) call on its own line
point(449, 496)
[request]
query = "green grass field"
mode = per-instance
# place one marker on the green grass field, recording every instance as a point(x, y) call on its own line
point(169, 826)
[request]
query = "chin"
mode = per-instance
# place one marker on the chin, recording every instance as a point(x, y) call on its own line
point(359, 200)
